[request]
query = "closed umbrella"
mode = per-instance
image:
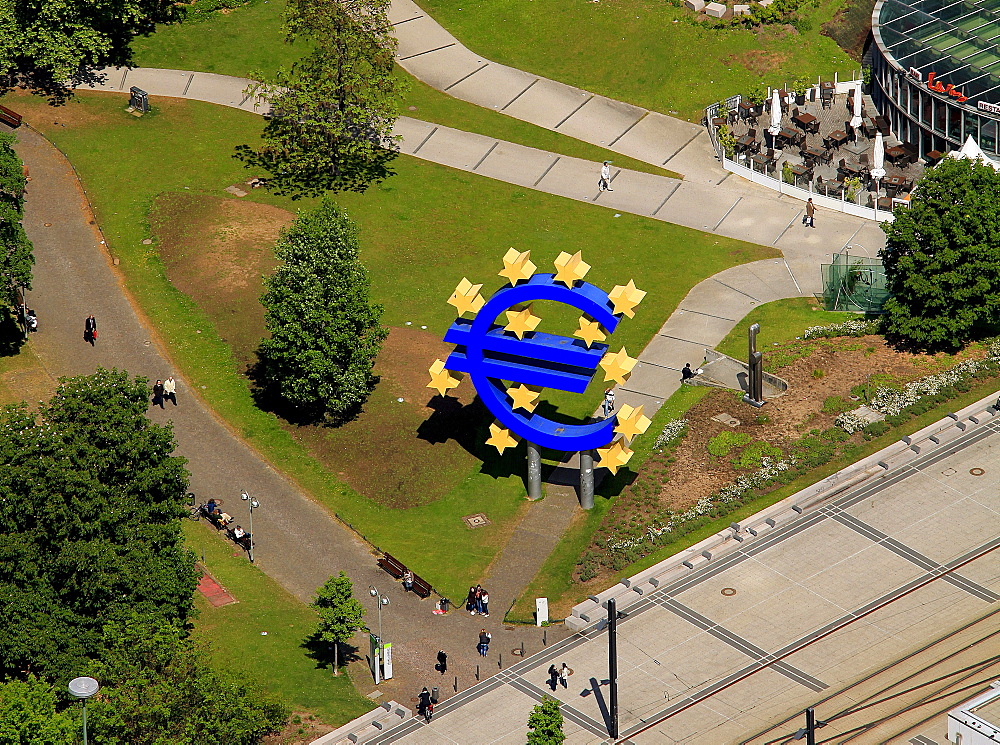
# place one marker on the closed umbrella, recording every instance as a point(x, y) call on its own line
point(775, 113)
point(856, 119)
point(878, 159)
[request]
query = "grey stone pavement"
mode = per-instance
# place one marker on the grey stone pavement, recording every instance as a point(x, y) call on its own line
point(841, 591)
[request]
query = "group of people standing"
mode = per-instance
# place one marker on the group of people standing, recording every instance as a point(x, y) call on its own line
point(478, 601)
point(165, 389)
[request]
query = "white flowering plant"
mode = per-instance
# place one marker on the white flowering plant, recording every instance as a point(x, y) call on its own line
point(671, 431)
point(854, 327)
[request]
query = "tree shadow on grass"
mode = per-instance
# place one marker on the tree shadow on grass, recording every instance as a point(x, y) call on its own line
point(11, 334)
point(322, 652)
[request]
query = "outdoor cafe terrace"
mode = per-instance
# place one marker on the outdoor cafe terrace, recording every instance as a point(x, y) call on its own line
point(823, 152)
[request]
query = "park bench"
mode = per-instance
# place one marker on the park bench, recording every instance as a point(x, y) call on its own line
point(10, 118)
point(392, 565)
point(422, 587)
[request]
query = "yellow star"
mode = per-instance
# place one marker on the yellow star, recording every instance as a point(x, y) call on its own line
point(626, 297)
point(569, 268)
point(517, 265)
point(441, 380)
point(631, 422)
point(501, 438)
point(521, 321)
point(618, 366)
point(466, 297)
point(614, 456)
point(589, 331)
point(522, 397)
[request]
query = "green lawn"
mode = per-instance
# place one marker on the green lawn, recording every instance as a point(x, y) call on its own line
point(779, 321)
point(249, 39)
point(276, 660)
point(646, 52)
point(421, 232)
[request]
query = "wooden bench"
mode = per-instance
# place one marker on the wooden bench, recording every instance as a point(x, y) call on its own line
point(392, 565)
point(422, 587)
point(10, 118)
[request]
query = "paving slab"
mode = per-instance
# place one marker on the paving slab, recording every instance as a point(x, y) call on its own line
point(656, 138)
point(547, 103)
point(403, 10)
point(516, 164)
point(696, 327)
point(422, 34)
point(672, 353)
point(759, 221)
point(697, 207)
point(653, 380)
point(601, 119)
point(572, 178)
point(698, 162)
point(717, 299)
point(635, 192)
point(457, 149)
point(443, 67)
point(413, 132)
point(492, 86)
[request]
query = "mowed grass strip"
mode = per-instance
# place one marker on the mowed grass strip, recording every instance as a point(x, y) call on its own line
point(261, 636)
point(249, 39)
point(422, 231)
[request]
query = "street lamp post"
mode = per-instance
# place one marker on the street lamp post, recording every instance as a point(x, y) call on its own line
point(382, 600)
point(253, 504)
point(84, 688)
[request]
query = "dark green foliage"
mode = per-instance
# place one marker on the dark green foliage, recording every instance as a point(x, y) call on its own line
point(875, 429)
point(723, 443)
point(325, 332)
point(158, 688)
point(838, 405)
point(28, 714)
point(331, 119)
point(52, 42)
point(942, 260)
point(340, 613)
point(545, 723)
point(89, 525)
point(16, 258)
point(753, 455)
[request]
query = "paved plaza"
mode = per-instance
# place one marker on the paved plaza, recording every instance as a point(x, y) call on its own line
point(843, 590)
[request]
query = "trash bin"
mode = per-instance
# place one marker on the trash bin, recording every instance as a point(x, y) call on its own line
point(434, 695)
point(445, 602)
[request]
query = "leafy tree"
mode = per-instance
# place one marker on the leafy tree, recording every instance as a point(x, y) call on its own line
point(331, 116)
point(12, 179)
point(29, 715)
point(340, 613)
point(942, 259)
point(54, 41)
point(89, 523)
point(16, 258)
point(545, 723)
point(158, 688)
point(325, 332)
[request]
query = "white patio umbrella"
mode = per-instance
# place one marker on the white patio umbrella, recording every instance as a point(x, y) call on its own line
point(856, 119)
point(775, 113)
point(878, 159)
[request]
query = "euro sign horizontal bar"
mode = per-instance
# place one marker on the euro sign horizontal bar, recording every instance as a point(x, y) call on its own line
point(537, 346)
point(524, 370)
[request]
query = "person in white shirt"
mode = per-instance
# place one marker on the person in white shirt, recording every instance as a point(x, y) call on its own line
point(170, 389)
point(609, 402)
point(605, 182)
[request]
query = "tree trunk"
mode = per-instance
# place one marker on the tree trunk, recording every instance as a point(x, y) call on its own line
point(335, 671)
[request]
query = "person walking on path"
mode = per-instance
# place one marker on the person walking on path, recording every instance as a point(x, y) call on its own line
point(170, 389)
point(553, 676)
point(90, 330)
point(809, 218)
point(442, 665)
point(484, 642)
point(604, 184)
point(564, 673)
point(609, 403)
point(158, 394)
point(484, 604)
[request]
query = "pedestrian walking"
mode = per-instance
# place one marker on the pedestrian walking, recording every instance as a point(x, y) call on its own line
point(442, 662)
point(687, 373)
point(484, 642)
point(604, 184)
point(553, 676)
point(809, 218)
point(158, 394)
point(170, 389)
point(564, 673)
point(90, 330)
point(484, 604)
point(470, 602)
point(609, 403)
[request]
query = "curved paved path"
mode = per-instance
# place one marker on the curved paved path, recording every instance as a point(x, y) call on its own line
point(299, 543)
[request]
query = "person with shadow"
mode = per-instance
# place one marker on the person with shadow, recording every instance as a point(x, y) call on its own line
point(553, 677)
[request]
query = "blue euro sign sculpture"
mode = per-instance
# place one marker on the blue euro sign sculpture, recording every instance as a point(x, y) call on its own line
point(490, 356)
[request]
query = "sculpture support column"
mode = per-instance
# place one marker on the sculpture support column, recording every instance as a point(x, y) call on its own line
point(587, 479)
point(534, 471)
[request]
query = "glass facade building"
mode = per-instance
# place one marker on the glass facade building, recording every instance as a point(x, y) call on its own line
point(936, 72)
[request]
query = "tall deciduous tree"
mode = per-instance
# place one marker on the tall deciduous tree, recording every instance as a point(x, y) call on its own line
point(942, 259)
point(545, 723)
point(340, 613)
point(325, 332)
point(89, 523)
point(29, 714)
point(54, 41)
point(16, 258)
point(331, 115)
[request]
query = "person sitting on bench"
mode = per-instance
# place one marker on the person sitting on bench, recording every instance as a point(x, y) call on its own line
point(241, 538)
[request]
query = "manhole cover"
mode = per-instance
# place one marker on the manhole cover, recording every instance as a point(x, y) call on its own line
point(948, 472)
point(976, 471)
point(48, 225)
point(516, 652)
point(728, 591)
point(476, 521)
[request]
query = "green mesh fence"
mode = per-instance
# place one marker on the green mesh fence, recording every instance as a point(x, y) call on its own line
point(854, 284)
